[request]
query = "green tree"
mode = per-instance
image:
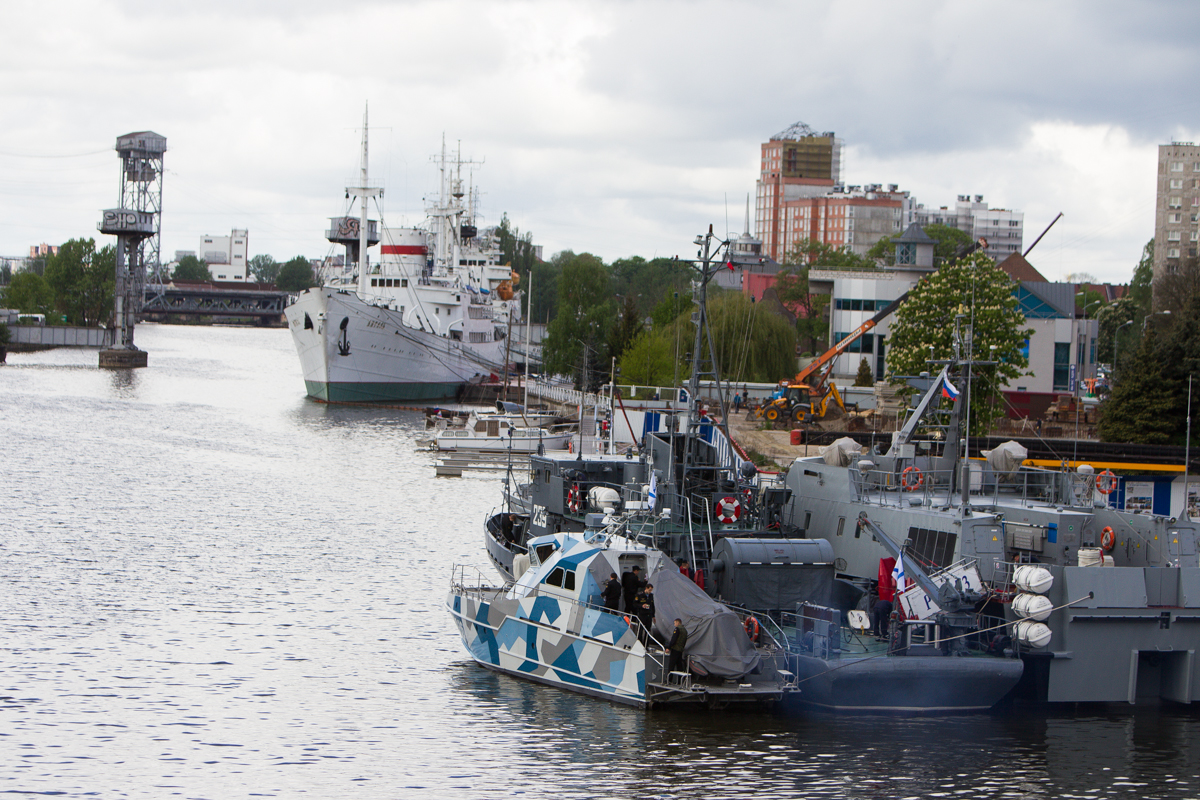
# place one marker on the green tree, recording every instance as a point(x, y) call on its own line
point(1178, 288)
point(1142, 407)
point(1141, 288)
point(629, 326)
point(577, 336)
point(670, 307)
point(83, 281)
point(924, 329)
point(264, 268)
point(650, 360)
point(649, 281)
point(29, 293)
point(191, 268)
point(1111, 318)
point(295, 276)
point(752, 343)
point(864, 377)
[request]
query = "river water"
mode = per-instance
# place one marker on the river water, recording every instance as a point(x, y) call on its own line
point(211, 587)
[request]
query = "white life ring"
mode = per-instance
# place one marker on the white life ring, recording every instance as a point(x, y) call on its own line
point(729, 509)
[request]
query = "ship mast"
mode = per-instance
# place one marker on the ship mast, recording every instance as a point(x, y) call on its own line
point(362, 192)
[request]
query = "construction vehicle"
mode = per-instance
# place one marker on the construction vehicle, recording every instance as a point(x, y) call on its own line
point(797, 403)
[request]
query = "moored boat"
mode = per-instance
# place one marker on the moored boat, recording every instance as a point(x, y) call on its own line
point(429, 316)
point(550, 626)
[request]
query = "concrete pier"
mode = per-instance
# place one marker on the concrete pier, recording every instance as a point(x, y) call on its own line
point(123, 358)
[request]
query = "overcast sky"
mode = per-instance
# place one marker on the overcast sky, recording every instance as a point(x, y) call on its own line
point(620, 128)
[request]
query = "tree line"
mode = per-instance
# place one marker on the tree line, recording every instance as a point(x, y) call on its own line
point(77, 285)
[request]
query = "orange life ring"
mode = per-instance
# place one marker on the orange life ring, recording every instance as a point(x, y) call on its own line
point(752, 629)
point(917, 481)
point(574, 499)
point(1108, 538)
point(1106, 481)
point(729, 509)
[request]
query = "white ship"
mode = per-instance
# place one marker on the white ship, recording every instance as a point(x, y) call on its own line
point(429, 315)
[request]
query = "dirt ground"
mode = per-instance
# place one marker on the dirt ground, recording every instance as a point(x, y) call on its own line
point(775, 445)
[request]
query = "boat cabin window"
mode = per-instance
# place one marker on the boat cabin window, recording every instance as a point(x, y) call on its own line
point(544, 551)
point(842, 526)
point(560, 577)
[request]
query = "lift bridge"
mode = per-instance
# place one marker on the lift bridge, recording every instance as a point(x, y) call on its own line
point(209, 300)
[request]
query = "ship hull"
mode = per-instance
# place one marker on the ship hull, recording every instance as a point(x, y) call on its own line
point(906, 684)
point(354, 352)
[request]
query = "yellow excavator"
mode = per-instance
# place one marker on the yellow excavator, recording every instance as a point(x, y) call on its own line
point(799, 403)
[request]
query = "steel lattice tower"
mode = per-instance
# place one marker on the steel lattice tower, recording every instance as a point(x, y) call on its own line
point(141, 190)
point(136, 223)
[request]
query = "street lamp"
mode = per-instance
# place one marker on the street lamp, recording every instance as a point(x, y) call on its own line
point(1115, 333)
point(1148, 316)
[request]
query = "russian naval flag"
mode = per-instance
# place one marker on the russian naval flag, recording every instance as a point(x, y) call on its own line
point(653, 496)
point(948, 390)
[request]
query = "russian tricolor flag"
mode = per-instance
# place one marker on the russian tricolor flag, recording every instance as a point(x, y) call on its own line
point(948, 390)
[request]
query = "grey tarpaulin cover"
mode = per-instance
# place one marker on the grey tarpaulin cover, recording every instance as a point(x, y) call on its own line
point(1006, 458)
point(717, 643)
point(842, 453)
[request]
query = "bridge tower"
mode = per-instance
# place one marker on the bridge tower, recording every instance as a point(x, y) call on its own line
point(137, 224)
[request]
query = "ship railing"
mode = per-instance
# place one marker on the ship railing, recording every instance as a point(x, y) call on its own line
point(908, 484)
point(566, 395)
point(818, 630)
point(469, 581)
point(771, 633)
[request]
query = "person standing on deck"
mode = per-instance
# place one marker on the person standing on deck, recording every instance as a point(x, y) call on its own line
point(631, 582)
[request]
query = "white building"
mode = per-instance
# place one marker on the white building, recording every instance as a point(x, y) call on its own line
point(1004, 229)
point(227, 256)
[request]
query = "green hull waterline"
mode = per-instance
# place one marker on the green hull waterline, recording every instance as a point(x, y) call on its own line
point(380, 392)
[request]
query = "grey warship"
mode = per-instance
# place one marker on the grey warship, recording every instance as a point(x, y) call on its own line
point(1120, 619)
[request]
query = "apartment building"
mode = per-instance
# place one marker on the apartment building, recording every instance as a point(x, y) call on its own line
point(1177, 206)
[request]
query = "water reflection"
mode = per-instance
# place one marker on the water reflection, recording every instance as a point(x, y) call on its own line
point(124, 383)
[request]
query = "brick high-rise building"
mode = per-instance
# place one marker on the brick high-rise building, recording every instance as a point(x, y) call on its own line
point(801, 196)
point(1177, 206)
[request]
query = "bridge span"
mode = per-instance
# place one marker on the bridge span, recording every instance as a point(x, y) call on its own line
point(215, 300)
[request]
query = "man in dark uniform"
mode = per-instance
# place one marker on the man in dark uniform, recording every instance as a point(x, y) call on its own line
point(631, 582)
point(612, 593)
point(679, 637)
point(644, 609)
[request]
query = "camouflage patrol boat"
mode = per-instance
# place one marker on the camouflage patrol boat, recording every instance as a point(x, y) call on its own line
point(550, 626)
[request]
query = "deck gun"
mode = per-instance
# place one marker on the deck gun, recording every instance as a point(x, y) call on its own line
point(957, 604)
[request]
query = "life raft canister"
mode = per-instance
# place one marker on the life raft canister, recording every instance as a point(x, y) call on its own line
point(912, 479)
point(729, 509)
